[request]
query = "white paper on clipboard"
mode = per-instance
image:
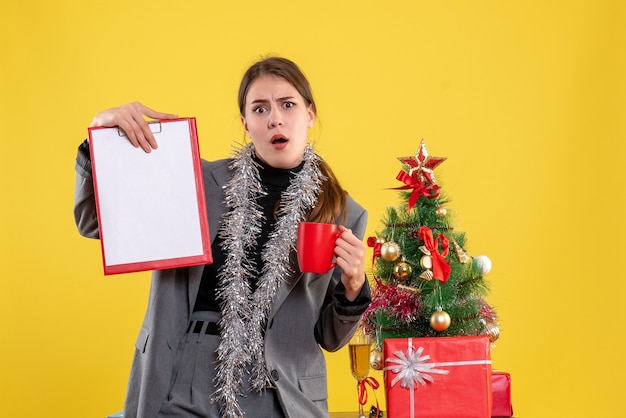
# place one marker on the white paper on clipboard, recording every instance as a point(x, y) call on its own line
point(151, 206)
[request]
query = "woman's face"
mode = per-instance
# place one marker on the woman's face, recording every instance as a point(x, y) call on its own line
point(277, 119)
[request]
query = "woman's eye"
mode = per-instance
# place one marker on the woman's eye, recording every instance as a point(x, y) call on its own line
point(259, 109)
point(289, 104)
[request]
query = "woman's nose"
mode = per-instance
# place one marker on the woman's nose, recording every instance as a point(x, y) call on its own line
point(276, 119)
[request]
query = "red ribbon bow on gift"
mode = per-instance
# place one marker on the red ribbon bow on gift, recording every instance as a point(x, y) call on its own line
point(373, 242)
point(373, 383)
point(418, 187)
point(441, 269)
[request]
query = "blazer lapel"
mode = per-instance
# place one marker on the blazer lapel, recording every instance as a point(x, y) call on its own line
point(286, 287)
point(281, 294)
point(214, 180)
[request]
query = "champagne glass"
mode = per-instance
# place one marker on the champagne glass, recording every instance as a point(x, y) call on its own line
point(360, 347)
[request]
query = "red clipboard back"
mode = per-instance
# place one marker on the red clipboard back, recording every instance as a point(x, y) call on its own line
point(151, 206)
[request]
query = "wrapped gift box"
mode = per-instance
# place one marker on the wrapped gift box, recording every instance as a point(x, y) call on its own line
point(501, 390)
point(446, 377)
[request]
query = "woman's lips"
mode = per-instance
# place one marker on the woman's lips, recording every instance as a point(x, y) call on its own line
point(279, 141)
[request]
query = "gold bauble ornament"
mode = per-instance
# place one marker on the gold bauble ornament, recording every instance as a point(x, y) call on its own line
point(441, 211)
point(376, 359)
point(402, 270)
point(390, 251)
point(440, 320)
point(492, 331)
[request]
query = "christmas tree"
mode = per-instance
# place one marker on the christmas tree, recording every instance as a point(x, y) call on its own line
point(426, 282)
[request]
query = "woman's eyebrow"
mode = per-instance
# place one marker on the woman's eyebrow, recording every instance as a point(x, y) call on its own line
point(280, 99)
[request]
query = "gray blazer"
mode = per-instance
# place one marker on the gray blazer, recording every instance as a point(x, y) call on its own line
point(308, 313)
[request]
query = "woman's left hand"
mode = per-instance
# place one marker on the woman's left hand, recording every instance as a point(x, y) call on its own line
point(350, 256)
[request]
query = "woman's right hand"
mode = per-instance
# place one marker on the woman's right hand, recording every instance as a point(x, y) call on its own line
point(130, 118)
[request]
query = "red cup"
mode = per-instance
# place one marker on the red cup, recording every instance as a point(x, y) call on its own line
point(316, 246)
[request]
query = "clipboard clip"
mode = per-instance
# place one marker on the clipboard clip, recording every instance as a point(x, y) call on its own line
point(155, 128)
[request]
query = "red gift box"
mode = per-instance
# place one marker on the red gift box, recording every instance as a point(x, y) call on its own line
point(501, 389)
point(446, 377)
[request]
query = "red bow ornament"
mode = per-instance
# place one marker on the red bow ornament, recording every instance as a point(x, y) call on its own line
point(376, 245)
point(441, 269)
point(373, 383)
point(419, 188)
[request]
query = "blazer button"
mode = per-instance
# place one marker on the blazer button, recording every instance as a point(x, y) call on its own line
point(274, 374)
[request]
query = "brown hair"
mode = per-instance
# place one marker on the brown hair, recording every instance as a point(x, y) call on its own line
point(331, 203)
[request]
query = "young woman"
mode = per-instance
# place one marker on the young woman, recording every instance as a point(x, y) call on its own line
point(242, 336)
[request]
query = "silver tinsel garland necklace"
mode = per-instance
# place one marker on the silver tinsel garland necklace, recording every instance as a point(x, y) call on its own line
point(244, 313)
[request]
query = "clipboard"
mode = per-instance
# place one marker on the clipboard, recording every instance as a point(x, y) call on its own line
point(151, 207)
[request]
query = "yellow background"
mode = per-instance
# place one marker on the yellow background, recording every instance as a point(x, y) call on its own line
point(527, 100)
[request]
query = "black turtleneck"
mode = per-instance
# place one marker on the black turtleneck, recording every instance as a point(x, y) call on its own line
point(274, 181)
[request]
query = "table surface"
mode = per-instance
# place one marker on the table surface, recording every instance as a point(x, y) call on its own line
point(347, 415)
